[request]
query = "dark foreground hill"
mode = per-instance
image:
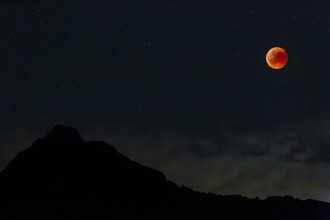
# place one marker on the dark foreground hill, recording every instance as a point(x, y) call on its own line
point(63, 177)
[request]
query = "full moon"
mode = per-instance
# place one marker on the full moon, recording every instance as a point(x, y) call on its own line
point(277, 58)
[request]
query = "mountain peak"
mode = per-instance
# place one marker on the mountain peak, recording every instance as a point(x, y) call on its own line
point(87, 180)
point(61, 133)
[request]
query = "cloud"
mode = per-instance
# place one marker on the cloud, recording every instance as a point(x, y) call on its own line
point(250, 176)
point(259, 164)
point(308, 142)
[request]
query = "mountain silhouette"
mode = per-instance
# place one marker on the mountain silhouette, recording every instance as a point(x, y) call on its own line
point(63, 177)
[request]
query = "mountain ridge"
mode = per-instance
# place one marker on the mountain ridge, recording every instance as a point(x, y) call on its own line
point(63, 177)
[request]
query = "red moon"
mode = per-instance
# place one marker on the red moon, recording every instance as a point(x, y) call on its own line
point(277, 58)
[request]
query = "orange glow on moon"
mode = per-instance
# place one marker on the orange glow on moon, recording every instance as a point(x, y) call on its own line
point(277, 58)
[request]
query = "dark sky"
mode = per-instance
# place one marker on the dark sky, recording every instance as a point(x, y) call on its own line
point(182, 86)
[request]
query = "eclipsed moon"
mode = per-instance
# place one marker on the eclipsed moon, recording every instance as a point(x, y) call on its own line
point(277, 58)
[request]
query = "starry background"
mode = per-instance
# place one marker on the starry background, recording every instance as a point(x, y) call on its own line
point(181, 86)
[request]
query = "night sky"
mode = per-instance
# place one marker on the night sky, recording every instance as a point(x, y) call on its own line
point(181, 86)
